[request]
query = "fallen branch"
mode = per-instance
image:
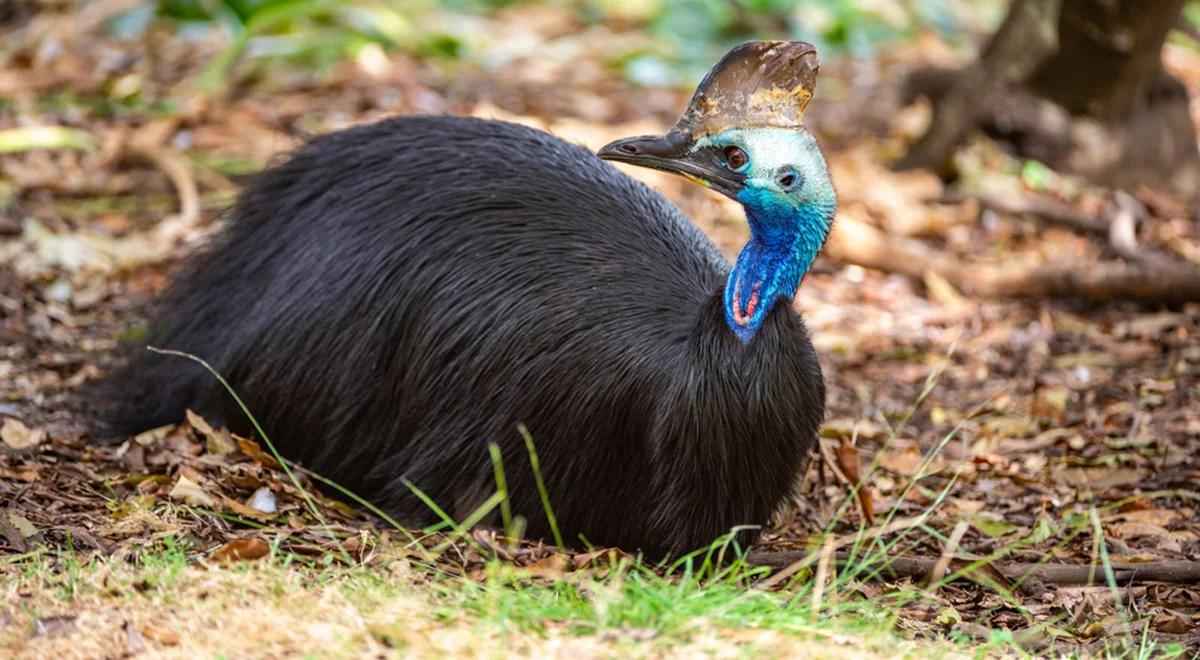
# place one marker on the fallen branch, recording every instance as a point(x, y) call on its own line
point(1146, 281)
point(921, 569)
point(1040, 206)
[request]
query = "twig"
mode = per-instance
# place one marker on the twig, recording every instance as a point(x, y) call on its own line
point(939, 569)
point(1040, 206)
point(919, 568)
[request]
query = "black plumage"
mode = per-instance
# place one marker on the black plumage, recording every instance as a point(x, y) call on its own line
point(396, 296)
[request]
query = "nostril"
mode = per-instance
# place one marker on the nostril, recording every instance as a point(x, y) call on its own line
point(628, 148)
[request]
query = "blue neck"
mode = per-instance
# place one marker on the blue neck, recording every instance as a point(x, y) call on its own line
point(784, 240)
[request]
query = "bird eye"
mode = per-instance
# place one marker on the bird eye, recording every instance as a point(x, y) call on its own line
point(735, 157)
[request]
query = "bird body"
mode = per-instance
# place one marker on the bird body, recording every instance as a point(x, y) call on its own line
point(395, 297)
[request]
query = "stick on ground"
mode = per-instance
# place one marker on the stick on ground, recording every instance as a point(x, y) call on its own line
point(920, 568)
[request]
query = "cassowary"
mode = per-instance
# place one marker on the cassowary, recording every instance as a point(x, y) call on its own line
point(395, 297)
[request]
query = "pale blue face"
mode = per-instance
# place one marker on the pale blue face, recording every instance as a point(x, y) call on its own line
point(789, 201)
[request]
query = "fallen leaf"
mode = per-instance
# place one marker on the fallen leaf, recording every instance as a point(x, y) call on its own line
point(255, 452)
point(217, 441)
point(848, 461)
point(553, 566)
point(1085, 359)
point(943, 292)
point(188, 491)
point(905, 461)
point(18, 436)
point(245, 549)
point(161, 635)
point(22, 525)
point(1174, 622)
point(581, 560)
point(1099, 477)
point(1049, 403)
point(262, 505)
point(1160, 517)
point(1127, 530)
point(147, 438)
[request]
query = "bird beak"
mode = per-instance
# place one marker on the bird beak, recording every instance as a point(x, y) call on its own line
point(673, 153)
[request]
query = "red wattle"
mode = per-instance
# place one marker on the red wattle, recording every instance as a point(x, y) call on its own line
point(740, 316)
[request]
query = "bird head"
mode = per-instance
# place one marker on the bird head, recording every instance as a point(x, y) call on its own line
point(742, 135)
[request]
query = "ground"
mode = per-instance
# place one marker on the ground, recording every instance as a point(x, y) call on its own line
point(994, 431)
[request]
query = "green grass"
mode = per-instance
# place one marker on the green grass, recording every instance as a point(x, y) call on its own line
point(401, 604)
point(625, 608)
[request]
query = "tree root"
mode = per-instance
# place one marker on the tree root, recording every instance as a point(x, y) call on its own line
point(1026, 38)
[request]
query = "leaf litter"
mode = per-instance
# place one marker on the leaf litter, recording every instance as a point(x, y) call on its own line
point(1021, 431)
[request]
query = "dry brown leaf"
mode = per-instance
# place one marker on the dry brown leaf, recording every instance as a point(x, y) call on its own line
point(1174, 622)
point(904, 461)
point(147, 438)
point(1160, 517)
point(51, 626)
point(1049, 403)
point(849, 463)
point(943, 293)
point(1128, 530)
point(1099, 477)
point(18, 436)
point(20, 523)
point(188, 491)
point(244, 510)
point(255, 452)
point(581, 560)
point(217, 441)
point(553, 566)
point(161, 635)
point(244, 549)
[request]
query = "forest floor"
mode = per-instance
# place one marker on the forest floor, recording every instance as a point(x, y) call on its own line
point(996, 433)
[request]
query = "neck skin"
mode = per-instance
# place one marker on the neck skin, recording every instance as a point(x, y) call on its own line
point(784, 240)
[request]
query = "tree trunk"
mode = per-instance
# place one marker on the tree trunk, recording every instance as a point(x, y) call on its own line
point(1085, 92)
point(1023, 41)
point(1109, 56)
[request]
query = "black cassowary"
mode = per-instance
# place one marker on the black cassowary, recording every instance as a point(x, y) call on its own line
point(397, 296)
